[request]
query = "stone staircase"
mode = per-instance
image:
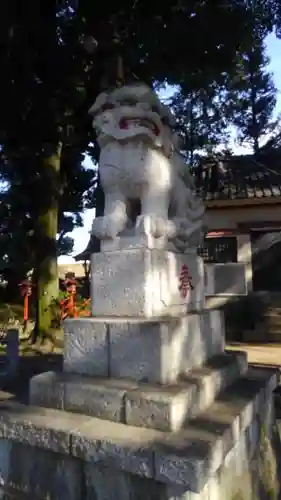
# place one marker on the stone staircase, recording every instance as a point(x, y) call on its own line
point(254, 318)
point(140, 404)
point(89, 436)
point(267, 328)
point(47, 453)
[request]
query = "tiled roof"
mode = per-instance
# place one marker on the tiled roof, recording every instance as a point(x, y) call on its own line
point(240, 177)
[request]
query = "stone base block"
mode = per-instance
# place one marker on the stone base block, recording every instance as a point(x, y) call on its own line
point(227, 452)
point(86, 347)
point(146, 283)
point(142, 350)
point(166, 408)
point(171, 409)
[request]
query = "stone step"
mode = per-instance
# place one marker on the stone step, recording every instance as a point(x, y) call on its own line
point(165, 408)
point(272, 330)
point(263, 333)
point(272, 319)
point(274, 311)
point(229, 432)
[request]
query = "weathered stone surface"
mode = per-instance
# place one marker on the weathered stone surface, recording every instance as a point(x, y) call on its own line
point(151, 290)
point(47, 389)
point(34, 426)
point(249, 471)
point(183, 458)
point(202, 336)
point(214, 330)
point(140, 350)
point(158, 351)
point(94, 396)
point(116, 445)
point(139, 404)
point(169, 408)
point(267, 413)
point(39, 474)
point(211, 339)
point(102, 398)
point(187, 458)
point(133, 242)
point(103, 483)
point(86, 347)
point(156, 408)
point(205, 338)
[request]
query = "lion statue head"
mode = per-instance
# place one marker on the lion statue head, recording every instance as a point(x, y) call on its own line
point(132, 112)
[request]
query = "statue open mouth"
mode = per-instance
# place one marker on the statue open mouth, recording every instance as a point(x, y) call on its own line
point(126, 123)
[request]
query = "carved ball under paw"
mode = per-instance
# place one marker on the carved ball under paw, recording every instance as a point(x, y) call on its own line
point(152, 225)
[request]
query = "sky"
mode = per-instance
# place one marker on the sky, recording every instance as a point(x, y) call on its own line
point(81, 235)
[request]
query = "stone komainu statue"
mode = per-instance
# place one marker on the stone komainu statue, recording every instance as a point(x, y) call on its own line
point(140, 161)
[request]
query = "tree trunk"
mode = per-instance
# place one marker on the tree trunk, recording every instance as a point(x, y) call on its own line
point(47, 267)
point(191, 130)
point(253, 98)
point(255, 128)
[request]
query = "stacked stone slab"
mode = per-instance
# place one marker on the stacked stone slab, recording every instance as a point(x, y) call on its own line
point(141, 369)
point(146, 407)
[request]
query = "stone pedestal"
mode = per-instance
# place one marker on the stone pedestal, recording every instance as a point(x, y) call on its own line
point(144, 282)
point(149, 405)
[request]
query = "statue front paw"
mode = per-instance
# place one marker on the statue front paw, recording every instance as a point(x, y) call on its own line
point(106, 227)
point(155, 226)
point(189, 234)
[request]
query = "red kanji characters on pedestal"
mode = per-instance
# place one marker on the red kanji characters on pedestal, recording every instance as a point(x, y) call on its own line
point(185, 281)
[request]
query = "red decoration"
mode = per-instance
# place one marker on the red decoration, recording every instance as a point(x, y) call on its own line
point(26, 291)
point(185, 281)
point(68, 306)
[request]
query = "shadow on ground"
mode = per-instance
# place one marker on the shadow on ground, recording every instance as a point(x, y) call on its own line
point(28, 367)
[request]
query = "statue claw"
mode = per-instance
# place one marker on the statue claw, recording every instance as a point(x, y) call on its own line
point(155, 226)
point(106, 227)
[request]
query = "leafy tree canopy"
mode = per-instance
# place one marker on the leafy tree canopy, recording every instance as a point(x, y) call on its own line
point(252, 95)
point(57, 56)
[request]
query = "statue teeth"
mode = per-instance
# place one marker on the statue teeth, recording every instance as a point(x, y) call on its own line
point(138, 122)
